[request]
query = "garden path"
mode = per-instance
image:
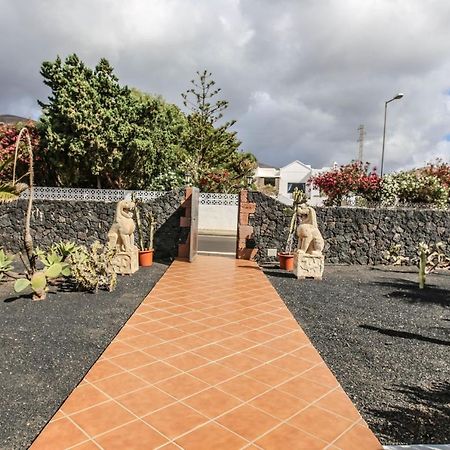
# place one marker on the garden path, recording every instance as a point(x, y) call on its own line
point(211, 359)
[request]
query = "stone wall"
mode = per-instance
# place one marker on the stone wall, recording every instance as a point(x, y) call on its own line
point(84, 222)
point(352, 235)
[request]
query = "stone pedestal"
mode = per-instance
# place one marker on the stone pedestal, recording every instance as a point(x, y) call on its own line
point(126, 263)
point(308, 266)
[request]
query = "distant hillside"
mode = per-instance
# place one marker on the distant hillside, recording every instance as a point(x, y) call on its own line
point(10, 118)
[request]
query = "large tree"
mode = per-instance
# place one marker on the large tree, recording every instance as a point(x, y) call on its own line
point(213, 156)
point(85, 122)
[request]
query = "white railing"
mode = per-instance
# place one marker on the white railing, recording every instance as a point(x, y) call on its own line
point(90, 195)
point(219, 199)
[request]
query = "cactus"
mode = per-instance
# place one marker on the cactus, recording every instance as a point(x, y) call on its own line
point(423, 251)
point(298, 198)
point(5, 263)
point(92, 268)
point(38, 281)
point(149, 222)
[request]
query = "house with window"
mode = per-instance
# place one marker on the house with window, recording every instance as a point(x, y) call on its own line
point(281, 182)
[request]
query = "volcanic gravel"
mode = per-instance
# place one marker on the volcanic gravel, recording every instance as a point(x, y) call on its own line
point(46, 348)
point(387, 342)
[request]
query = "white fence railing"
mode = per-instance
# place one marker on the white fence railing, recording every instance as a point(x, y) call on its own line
point(219, 199)
point(90, 195)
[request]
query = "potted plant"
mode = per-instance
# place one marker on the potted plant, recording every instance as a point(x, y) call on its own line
point(145, 227)
point(286, 258)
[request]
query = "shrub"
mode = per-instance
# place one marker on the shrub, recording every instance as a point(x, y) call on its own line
point(352, 179)
point(414, 187)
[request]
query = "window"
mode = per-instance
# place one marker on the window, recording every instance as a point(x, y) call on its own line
point(299, 186)
point(269, 181)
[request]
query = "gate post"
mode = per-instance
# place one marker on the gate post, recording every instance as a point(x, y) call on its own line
point(245, 244)
point(189, 224)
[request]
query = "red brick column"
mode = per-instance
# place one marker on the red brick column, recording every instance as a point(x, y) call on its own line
point(245, 231)
point(185, 222)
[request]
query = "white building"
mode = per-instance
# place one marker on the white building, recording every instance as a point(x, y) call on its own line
point(285, 179)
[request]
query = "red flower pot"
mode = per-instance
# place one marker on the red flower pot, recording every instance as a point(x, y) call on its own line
point(146, 258)
point(286, 261)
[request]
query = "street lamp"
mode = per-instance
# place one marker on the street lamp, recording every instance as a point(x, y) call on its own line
point(397, 97)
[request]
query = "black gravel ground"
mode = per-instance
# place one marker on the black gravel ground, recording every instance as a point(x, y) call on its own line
point(387, 342)
point(46, 347)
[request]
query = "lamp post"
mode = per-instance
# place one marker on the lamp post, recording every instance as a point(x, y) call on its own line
point(397, 97)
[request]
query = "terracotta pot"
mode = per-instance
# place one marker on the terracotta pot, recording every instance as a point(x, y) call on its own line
point(146, 257)
point(286, 261)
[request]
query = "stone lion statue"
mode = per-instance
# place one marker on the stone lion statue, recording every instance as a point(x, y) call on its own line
point(310, 240)
point(121, 234)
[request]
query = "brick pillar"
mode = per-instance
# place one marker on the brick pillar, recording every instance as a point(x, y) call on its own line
point(245, 248)
point(185, 225)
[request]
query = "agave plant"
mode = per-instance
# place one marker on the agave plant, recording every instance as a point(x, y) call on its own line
point(5, 263)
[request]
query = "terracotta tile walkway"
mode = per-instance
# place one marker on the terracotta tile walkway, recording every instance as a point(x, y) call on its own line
point(212, 359)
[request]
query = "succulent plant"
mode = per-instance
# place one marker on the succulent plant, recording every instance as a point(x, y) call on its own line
point(5, 263)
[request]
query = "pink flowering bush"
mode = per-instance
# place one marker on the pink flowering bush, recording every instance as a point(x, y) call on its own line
point(352, 179)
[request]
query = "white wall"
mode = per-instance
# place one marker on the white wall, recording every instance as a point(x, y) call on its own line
point(218, 219)
point(293, 173)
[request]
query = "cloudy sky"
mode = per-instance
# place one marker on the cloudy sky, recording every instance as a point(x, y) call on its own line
point(300, 75)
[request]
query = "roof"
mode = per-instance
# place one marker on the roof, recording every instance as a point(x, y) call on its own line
point(266, 166)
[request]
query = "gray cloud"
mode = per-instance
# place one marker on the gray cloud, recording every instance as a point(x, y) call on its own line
point(300, 75)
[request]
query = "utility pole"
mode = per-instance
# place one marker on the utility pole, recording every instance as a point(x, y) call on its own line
point(362, 133)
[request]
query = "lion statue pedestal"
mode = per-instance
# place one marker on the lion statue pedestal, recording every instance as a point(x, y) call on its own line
point(121, 238)
point(309, 261)
point(308, 266)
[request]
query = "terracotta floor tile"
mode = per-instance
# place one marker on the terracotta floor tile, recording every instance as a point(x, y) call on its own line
point(279, 404)
point(119, 384)
point(209, 437)
point(287, 437)
point(321, 374)
point(304, 389)
point(270, 375)
point(187, 361)
point(155, 372)
point(338, 402)
point(102, 418)
point(133, 436)
point(240, 362)
point(116, 349)
point(263, 353)
point(143, 341)
point(102, 369)
point(163, 351)
point(285, 344)
point(359, 437)
point(292, 364)
point(212, 402)
point(127, 332)
point(213, 335)
point(170, 334)
point(309, 353)
point(175, 420)
point(248, 422)
point(151, 327)
point(58, 415)
point(213, 373)
point(145, 401)
point(83, 397)
point(257, 336)
point(182, 386)
point(136, 319)
point(132, 360)
point(59, 435)
point(89, 445)
point(320, 423)
point(213, 352)
point(237, 343)
point(243, 387)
